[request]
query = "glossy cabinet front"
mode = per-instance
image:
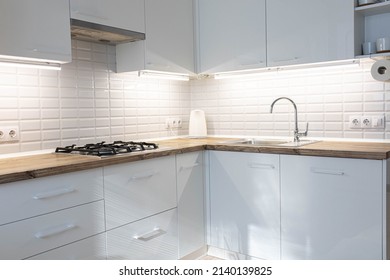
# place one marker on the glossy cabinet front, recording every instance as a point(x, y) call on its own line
point(331, 208)
point(245, 203)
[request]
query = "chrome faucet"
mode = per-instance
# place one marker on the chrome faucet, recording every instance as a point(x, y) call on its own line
point(297, 134)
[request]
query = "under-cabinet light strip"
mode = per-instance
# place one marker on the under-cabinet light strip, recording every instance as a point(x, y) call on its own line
point(252, 72)
point(30, 64)
point(164, 75)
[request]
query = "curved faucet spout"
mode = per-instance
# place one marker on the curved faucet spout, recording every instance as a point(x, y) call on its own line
point(297, 134)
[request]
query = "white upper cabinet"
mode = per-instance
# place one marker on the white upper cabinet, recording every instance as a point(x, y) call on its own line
point(232, 35)
point(34, 30)
point(116, 13)
point(306, 31)
point(169, 44)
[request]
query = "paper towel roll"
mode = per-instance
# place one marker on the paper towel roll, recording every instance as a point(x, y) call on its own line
point(380, 70)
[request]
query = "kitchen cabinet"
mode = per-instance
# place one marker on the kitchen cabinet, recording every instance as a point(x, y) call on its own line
point(123, 14)
point(169, 44)
point(133, 191)
point(30, 198)
point(152, 238)
point(371, 22)
point(245, 203)
point(331, 208)
point(35, 30)
point(32, 236)
point(42, 214)
point(91, 248)
point(190, 205)
point(232, 35)
point(307, 31)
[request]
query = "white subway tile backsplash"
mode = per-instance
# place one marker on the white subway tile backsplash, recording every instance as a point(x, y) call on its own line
point(87, 101)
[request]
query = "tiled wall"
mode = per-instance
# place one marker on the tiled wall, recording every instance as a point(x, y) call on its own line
point(325, 97)
point(87, 102)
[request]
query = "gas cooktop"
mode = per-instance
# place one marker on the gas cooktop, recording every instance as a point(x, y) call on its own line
point(108, 149)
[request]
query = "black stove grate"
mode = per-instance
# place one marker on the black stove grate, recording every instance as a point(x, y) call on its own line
point(107, 149)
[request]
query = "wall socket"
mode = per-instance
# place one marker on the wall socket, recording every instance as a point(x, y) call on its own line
point(173, 123)
point(9, 134)
point(363, 122)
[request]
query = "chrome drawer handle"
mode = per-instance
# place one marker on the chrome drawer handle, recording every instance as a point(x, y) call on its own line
point(156, 232)
point(54, 230)
point(144, 176)
point(327, 171)
point(261, 165)
point(54, 193)
point(184, 167)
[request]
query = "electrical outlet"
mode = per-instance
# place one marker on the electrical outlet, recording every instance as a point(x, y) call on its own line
point(173, 123)
point(366, 122)
point(355, 122)
point(9, 134)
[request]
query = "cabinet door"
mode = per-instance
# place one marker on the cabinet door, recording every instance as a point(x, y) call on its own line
point(133, 191)
point(232, 35)
point(306, 31)
point(245, 203)
point(190, 195)
point(169, 44)
point(35, 29)
point(152, 238)
point(116, 13)
point(331, 208)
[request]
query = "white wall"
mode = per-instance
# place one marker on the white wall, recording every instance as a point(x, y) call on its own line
point(325, 97)
point(87, 102)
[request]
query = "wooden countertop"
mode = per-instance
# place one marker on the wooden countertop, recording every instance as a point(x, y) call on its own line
point(28, 167)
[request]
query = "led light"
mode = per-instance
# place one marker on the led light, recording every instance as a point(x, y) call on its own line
point(164, 75)
point(254, 72)
point(30, 64)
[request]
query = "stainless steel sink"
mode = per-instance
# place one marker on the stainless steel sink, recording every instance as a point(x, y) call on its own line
point(270, 142)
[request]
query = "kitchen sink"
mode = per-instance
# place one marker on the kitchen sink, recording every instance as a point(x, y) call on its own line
point(270, 142)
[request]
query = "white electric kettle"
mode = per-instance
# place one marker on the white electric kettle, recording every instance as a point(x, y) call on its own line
point(198, 128)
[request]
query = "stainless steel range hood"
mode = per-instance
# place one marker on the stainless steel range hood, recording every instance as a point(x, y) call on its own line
point(92, 32)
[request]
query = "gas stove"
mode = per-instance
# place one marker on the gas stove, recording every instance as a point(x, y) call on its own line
point(108, 149)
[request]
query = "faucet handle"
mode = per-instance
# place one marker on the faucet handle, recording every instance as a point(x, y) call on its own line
point(305, 132)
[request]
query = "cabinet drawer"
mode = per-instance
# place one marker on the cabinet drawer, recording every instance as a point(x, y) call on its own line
point(137, 190)
point(26, 199)
point(92, 248)
point(33, 236)
point(151, 238)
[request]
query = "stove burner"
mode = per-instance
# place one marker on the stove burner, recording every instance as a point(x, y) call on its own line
point(103, 149)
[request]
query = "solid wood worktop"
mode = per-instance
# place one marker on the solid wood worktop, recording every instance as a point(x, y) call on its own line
point(35, 166)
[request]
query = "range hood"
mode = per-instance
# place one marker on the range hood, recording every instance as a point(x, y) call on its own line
point(98, 33)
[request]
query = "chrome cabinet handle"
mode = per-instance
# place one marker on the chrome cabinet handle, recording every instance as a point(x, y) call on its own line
point(261, 165)
point(327, 171)
point(53, 193)
point(143, 177)
point(156, 232)
point(184, 167)
point(54, 230)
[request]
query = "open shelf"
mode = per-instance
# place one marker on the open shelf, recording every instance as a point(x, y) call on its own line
point(374, 55)
point(374, 9)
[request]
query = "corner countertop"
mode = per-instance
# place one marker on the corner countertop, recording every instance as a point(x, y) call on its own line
point(35, 166)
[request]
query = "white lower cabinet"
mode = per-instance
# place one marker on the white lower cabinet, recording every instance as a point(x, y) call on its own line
point(136, 190)
point(32, 236)
point(331, 208)
point(245, 203)
point(92, 248)
point(190, 196)
point(151, 238)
